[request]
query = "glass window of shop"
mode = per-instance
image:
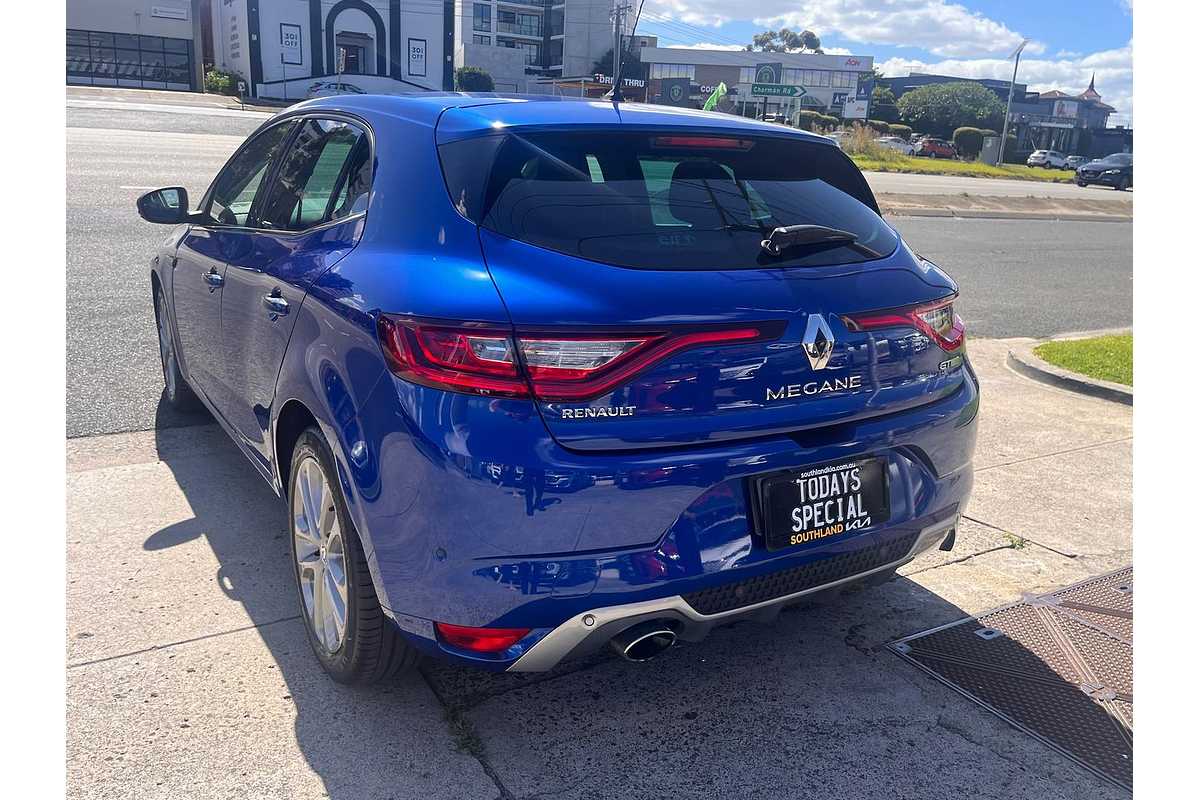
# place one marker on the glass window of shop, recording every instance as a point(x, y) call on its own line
point(125, 59)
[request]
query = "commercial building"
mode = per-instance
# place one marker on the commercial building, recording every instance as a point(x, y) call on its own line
point(1056, 120)
point(839, 85)
point(145, 44)
point(287, 49)
point(1053, 120)
point(901, 86)
point(520, 43)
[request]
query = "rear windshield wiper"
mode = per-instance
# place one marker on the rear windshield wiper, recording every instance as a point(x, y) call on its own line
point(789, 236)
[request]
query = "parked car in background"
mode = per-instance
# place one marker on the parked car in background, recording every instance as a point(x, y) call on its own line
point(1114, 170)
point(1050, 159)
point(935, 148)
point(332, 89)
point(896, 143)
point(1075, 162)
point(509, 429)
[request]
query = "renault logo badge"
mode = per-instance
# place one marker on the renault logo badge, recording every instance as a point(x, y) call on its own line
point(818, 342)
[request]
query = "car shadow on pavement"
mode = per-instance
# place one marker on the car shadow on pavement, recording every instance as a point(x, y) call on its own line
point(811, 705)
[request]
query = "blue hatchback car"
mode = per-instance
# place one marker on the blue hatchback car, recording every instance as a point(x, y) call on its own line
point(535, 376)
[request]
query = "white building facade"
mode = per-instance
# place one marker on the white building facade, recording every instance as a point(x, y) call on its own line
point(287, 49)
point(519, 41)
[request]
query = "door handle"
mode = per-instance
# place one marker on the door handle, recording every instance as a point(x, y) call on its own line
point(275, 304)
point(214, 279)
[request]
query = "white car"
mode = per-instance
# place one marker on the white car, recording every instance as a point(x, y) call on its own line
point(896, 143)
point(1050, 159)
point(332, 89)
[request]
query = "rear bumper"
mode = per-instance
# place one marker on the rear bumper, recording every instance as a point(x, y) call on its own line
point(488, 522)
point(590, 630)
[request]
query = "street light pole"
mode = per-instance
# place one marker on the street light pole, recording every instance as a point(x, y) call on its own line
point(1016, 56)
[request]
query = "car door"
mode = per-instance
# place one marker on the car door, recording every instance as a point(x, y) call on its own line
point(198, 271)
point(310, 216)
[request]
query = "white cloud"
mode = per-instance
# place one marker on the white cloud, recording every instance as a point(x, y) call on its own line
point(1113, 70)
point(707, 46)
point(938, 26)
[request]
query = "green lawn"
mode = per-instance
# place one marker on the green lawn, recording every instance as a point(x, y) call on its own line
point(892, 161)
point(1109, 358)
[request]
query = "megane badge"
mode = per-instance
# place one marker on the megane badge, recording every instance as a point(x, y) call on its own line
point(818, 342)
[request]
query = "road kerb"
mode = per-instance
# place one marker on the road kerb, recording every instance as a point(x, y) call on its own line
point(1023, 360)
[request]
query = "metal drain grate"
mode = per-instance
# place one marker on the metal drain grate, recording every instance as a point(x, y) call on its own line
point(1058, 666)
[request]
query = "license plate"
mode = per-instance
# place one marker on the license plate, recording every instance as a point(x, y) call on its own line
point(824, 501)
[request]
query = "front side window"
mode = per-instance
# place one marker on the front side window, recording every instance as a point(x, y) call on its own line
point(325, 176)
point(232, 196)
point(665, 201)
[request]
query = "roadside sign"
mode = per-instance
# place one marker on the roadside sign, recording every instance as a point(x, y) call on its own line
point(769, 72)
point(854, 109)
point(776, 90)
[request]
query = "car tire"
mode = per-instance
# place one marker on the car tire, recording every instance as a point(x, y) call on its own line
point(1122, 184)
point(177, 391)
point(368, 648)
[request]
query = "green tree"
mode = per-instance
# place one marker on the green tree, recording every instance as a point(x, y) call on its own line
point(883, 104)
point(939, 108)
point(473, 79)
point(786, 41)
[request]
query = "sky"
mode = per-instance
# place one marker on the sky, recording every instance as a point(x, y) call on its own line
point(1069, 39)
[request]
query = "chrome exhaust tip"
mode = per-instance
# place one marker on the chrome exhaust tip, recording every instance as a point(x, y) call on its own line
point(643, 641)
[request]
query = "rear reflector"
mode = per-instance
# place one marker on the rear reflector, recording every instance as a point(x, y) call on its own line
point(550, 365)
point(480, 640)
point(936, 320)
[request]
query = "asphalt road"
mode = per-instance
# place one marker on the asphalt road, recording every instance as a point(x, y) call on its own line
point(903, 183)
point(1018, 278)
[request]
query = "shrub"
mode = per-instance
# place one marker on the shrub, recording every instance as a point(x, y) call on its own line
point(903, 131)
point(217, 81)
point(969, 141)
point(473, 79)
point(878, 125)
point(807, 119)
point(828, 121)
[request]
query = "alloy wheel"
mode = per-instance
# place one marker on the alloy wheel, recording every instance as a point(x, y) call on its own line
point(320, 554)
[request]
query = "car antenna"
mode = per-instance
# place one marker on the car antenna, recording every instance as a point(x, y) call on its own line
point(618, 14)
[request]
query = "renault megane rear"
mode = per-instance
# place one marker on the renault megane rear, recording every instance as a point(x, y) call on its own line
point(538, 376)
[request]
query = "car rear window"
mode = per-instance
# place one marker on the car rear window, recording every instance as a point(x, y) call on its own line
point(659, 200)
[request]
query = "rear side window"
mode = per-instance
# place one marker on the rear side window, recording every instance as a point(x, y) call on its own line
point(325, 175)
point(663, 200)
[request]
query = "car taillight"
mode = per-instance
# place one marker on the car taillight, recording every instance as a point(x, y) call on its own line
point(936, 320)
point(480, 640)
point(550, 365)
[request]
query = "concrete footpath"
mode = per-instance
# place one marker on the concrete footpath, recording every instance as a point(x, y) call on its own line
point(189, 675)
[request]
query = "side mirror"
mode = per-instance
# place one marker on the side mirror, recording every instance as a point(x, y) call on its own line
point(164, 206)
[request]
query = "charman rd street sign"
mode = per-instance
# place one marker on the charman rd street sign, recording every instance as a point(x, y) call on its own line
point(776, 90)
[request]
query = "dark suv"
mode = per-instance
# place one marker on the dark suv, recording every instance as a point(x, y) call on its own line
point(1115, 170)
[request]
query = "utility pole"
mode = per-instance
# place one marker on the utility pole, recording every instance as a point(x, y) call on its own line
point(1016, 56)
point(618, 14)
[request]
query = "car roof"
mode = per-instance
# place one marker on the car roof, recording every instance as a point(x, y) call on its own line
point(460, 114)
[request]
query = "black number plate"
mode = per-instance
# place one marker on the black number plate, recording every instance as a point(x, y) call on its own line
point(824, 501)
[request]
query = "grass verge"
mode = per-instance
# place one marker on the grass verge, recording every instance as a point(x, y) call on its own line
point(1107, 358)
point(970, 169)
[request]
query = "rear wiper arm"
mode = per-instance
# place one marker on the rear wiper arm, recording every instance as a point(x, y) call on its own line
point(787, 236)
